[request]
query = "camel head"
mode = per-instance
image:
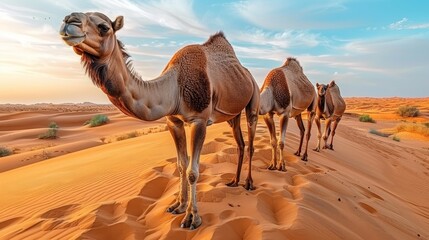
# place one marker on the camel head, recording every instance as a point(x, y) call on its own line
point(321, 89)
point(92, 33)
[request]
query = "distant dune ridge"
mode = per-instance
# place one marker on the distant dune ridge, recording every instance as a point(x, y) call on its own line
point(80, 186)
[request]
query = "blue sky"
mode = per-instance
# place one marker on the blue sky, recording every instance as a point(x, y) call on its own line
point(372, 48)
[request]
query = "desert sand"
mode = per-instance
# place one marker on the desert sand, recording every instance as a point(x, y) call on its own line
point(89, 185)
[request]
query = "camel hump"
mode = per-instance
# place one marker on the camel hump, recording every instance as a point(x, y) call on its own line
point(336, 100)
point(276, 79)
point(293, 65)
point(193, 81)
point(218, 43)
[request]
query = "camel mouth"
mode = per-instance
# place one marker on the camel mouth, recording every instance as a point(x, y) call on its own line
point(72, 34)
point(73, 40)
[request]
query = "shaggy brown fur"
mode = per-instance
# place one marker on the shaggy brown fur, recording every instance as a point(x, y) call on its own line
point(193, 81)
point(277, 80)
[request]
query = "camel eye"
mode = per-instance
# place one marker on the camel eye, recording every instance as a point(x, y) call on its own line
point(103, 28)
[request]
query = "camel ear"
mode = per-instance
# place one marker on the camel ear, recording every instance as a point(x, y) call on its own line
point(332, 83)
point(317, 85)
point(118, 23)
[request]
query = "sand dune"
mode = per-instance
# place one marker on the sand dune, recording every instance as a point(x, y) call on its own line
point(368, 188)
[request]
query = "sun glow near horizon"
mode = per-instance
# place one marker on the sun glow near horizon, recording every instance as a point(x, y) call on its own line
point(367, 57)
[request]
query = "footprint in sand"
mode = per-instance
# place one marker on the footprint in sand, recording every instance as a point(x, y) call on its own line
point(155, 187)
point(221, 139)
point(60, 211)
point(276, 209)
point(368, 208)
point(238, 228)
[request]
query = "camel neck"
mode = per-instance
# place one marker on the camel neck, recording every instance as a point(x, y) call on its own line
point(145, 100)
point(321, 103)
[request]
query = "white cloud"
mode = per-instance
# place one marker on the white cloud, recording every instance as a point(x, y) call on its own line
point(399, 25)
point(279, 14)
point(282, 39)
point(404, 24)
point(176, 15)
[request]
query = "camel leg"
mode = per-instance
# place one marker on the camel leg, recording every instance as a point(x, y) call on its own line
point(302, 131)
point(198, 134)
point(268, 118)
point(177, 130)
point(236, 130)
point(334, 127)
point(309, 124)
point(319, 133)
point(252, 114)
point(284, 119)
point(327, 131)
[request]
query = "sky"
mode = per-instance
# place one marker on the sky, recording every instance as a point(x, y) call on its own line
point(374, 48)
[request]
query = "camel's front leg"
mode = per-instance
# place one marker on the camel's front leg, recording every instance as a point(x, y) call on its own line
point(319, 133)
point(268, 118)
point(334, 127)
point(175, 126)
point(198, 133)
point(301, 127)
point(309, 124)
point(327, 132)
point(284, 119)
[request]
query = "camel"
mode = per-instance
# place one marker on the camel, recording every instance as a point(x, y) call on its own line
point(287, 92)
point(201, 85)
point(331, 107)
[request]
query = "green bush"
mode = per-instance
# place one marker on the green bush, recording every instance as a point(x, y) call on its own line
point(51, 133)
point(408, 111)
point(426, 124)
point(396, 138)
point(97, 120)
point(366, 118)
point(378, 133)
point(5, 152)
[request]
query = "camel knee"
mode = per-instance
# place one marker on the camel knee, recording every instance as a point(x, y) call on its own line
point(251, 150)
point(192, 177)
point(273, 144)
point(252, 118)
point(281, 145)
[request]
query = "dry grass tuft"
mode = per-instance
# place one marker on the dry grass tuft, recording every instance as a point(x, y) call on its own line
point(413, 128)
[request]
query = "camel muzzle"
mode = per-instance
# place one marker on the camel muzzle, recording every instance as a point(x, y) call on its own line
point(71, 29)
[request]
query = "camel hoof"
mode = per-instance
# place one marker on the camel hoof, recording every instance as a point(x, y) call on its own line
point(176, 208)
point(331, 147)
point(232, 183)
point(297, 153)
point(316, 149)
point(191, 222)
point(272, 167)
point(304, 158)
point(282, 168)
point(249, 185)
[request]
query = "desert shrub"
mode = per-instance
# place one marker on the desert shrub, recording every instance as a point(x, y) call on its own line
point(5, 152)
point(408, 111)
point(426, 124)
point(366, 118)
point(97, 120)
point(378, 133)
point(413, 128)
point(396, 138)
point(51, 133)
